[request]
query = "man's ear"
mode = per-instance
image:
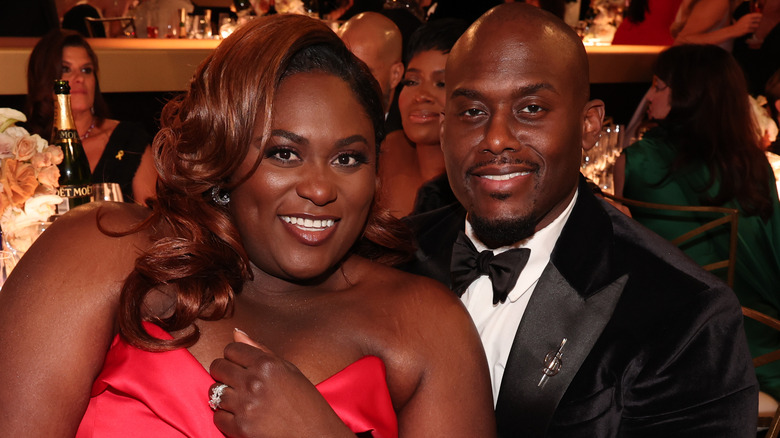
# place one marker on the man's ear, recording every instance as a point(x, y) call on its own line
point(593, 116)
point(396, 74)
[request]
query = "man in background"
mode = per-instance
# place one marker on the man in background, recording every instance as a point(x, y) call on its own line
point(376, 40)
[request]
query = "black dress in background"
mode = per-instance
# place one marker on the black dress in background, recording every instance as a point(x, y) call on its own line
point(122, 157)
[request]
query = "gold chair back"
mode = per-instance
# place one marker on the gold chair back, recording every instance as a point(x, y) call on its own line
point(127, 25)
point(728, 216)
point(766, 420)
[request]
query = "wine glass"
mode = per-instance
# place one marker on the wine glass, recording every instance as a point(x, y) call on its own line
point(107, 191)
point(6, 261)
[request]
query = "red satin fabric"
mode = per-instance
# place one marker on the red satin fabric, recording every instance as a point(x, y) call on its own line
point(144, 394)
point(654, 30)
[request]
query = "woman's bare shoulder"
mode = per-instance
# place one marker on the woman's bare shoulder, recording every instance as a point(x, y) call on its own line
point(418, 301)
point(431, 350)
point(396, 282)
point(92, 241)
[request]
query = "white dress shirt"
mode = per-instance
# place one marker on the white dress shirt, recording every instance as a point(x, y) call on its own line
point(497, 324)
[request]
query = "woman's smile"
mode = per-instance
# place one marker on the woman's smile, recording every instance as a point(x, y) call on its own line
point(310, 231)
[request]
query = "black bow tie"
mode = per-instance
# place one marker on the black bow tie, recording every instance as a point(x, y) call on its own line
point(502, 269)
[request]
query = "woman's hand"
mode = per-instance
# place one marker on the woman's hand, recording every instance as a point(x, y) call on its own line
point(747, 24)
point(266, 396)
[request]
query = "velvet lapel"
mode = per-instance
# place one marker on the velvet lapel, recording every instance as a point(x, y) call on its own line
point(574, 299)
point(436, 233)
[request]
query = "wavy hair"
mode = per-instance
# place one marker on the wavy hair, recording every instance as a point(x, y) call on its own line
point(205, 135)
point(711, 121)
point(43, 67)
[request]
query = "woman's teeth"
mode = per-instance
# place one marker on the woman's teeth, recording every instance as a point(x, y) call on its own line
point(309, 224)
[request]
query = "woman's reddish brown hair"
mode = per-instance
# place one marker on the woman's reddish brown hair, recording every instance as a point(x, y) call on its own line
point(197, 254)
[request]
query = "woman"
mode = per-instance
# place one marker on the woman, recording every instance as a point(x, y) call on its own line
point(263, 216)
point(413, 156)
point(117, 151)
point(706, 151)
point(711, 22)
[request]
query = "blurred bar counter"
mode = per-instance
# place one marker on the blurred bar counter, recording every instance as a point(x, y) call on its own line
point(163, 65)
point(126, 65)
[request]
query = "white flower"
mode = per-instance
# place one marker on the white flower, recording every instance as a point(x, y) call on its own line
point(41, 207)
point(7, 145)
point(9, 116)
point(22, 226)
point(767, 127)
point(290, 7)
point(16, 132)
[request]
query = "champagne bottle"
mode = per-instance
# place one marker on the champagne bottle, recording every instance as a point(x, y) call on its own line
point(75, 178)
point(182, 23)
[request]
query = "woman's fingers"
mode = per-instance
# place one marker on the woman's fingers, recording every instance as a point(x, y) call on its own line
point(241, 336)
point(219, 397)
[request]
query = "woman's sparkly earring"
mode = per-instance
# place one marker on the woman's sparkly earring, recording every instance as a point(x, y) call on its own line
point(220, 197)
point(92, 110)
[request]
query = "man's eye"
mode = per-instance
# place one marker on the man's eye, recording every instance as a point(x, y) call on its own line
point(473, 112)
point(532, 109)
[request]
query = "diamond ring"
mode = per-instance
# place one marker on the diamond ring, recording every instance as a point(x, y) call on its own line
point(216, 396)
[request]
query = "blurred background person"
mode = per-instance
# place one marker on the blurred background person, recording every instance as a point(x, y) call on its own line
point(74, 20)
point(711, 22)
point(117, 151)
point(759, 53)
point(706, 151)
point(412, 157)
point(377, 41)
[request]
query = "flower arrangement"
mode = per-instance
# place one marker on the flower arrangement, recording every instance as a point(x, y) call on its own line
point(28, 181)
point(290, 7)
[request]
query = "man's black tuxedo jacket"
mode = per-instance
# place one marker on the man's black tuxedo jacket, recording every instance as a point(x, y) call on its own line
point(655, 345)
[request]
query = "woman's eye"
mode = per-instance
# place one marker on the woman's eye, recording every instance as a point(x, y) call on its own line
point(282, 154)
point(408, 82)
point(65, 69)
point(351, 159)
point(439, 84)
point(87, 70)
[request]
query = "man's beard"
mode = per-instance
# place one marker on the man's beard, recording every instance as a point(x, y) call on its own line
point(495, 233)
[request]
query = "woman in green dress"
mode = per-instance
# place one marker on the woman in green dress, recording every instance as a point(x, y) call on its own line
point(706, 151)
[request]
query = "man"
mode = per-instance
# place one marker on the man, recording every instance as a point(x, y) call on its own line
point(608, 330)
point(376, 40)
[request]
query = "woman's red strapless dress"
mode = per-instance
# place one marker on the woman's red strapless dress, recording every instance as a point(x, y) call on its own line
point(144, 394)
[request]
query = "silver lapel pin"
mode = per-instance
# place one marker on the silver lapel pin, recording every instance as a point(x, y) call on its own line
point(552, 364)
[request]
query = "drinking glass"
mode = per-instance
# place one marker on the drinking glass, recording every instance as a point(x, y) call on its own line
point(6, 258)
point(226, 25)
point(107, 192)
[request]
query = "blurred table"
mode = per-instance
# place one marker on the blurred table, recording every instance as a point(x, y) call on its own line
point(160, 65)
point(621, 64)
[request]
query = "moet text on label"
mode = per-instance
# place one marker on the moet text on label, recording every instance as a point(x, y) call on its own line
point(67, 134)
point(75, 191)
